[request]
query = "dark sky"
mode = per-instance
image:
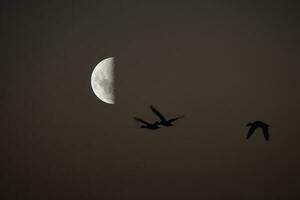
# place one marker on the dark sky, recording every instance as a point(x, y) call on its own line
point(221, 63)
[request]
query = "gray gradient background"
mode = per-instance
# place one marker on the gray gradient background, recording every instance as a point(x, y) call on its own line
point(222, 64)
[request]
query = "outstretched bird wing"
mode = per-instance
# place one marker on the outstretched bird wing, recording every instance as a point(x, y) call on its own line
point(251, 131)
point(158, 113)
point(174, 119)
point(266, 132)
point(141, 120)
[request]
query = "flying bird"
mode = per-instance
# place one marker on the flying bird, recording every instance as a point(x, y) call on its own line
point(164, 121)
point(258, 124)
point(148, 125)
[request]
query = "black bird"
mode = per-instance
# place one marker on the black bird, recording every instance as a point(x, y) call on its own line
point(258, 124)
point(148, 125)
point(164, 121)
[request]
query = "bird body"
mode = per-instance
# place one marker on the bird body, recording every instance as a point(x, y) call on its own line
point(258, 124)
point(148, 125)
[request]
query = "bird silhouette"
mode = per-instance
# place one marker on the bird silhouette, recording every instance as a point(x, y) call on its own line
point(258, 124)
point(164, 121)
point(148, 125)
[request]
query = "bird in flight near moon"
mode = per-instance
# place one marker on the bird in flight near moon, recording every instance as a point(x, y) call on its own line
point(164, 121)
point(102, 80)
point(148, 125)
point(258, 124)
point(155, 125)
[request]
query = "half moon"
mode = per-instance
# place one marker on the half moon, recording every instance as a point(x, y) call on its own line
point(102, 80)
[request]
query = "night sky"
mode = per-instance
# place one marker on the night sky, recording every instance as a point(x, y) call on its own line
point(220, 63)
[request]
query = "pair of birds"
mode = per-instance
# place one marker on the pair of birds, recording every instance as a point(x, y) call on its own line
point(156, 125)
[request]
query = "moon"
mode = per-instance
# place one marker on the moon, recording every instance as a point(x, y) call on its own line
point(102, 80)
